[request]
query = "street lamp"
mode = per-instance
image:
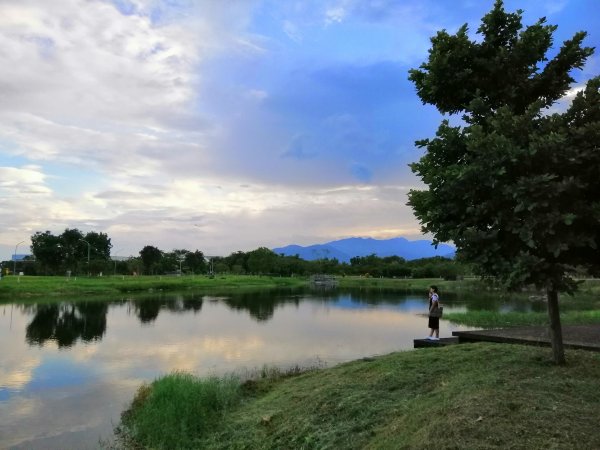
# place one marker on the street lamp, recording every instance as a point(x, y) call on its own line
point(181, 259)
point(114, 260)
point(15, 258)
point(88, 244)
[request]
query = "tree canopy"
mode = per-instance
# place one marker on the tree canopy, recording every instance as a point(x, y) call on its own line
point(69, 250)
point(150, 256)
point(515, 185)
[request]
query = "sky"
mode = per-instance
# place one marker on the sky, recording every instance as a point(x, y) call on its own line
point(224, 125)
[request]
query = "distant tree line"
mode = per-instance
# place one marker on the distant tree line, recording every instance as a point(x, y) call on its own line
point(263, 261)
point(75, 253)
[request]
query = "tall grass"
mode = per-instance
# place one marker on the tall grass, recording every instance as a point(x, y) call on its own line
point(176, 410)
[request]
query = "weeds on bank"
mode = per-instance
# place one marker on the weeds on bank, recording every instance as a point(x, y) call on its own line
point(465, 396)
point(176, 409)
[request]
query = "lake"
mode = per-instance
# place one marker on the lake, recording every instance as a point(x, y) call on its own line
point(67, 370)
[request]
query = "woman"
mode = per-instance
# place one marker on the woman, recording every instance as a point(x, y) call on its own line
point(434, 322)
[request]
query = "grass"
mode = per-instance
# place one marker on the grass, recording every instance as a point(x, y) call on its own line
point(180, 403)
point(492, 319)
point(409, 284)
point(23, 287)
point(57, 286)
point(47, 288)
point(432, 398)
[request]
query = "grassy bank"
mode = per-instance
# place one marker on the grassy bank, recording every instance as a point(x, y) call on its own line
point(38, 287)
point(589, 287)
point(492, 319)
point(409, 284)
point(431, 398)
point(44, 286)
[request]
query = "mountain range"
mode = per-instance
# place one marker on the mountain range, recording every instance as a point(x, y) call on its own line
point(344, 249)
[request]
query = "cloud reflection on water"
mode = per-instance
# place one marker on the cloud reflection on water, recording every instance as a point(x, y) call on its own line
point(69, 395)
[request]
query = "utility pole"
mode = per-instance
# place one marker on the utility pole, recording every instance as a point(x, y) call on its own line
point(15, 258)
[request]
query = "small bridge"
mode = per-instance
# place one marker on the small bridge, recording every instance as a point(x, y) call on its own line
point(323, 280)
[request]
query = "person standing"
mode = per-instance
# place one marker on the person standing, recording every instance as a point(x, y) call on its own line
point(434, 320)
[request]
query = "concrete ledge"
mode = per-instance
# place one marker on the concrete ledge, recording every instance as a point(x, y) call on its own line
point(424, 343)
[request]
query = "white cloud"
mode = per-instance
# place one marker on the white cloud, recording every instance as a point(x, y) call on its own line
point(335, 14)
point(565, 101)
point(109, 121)
point(83, 62)
point(292, 30)
point(24, 180)
point(219, 219)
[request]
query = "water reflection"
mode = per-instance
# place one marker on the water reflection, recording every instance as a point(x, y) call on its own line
point(65, 323)
point(68, 323)
point(260, 305)
point(68, 369)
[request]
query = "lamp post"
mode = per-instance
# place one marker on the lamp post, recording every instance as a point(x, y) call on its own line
point(15, 258)
point(114, 260)
point(88, 244)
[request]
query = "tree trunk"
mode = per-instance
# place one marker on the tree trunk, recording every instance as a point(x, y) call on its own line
point(558, 351)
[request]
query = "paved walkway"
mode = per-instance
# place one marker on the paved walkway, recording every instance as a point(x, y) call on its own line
point(585, 337)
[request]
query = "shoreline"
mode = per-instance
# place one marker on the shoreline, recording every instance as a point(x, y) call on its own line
point(384, 401)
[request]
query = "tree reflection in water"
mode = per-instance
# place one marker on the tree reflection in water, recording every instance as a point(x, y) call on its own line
point(65, 323)
point(260, 305)
point(147, 309)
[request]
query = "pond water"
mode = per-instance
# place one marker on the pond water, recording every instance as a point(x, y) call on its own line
point(67, 370)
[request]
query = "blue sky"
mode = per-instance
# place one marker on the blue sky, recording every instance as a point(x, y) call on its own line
point(223, 126)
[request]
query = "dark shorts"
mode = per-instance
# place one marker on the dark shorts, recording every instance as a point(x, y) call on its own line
point(434, 323)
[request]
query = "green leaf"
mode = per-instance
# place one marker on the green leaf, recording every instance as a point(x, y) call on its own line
point(569, 218)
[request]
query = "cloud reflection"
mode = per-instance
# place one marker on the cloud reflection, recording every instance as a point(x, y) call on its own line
point(64, 394)
point(16, 372)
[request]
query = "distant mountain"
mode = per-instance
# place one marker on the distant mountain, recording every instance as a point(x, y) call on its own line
point(345, 249)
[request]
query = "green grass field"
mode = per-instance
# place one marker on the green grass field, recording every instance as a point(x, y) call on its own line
point(442, 398)
point(48, 288)
point(38, 286)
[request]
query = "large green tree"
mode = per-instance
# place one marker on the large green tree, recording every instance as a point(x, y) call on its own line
point(100, 245)
point(195, 261)
point(69, 250)
point(261, 261)
point(151, 257)
point(47, 250)
point(74, 250)
point(515, 186)
point(95, 245)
